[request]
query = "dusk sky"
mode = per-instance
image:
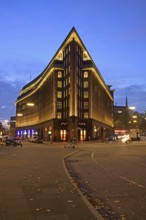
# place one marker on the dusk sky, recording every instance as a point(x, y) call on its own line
point(113, 31)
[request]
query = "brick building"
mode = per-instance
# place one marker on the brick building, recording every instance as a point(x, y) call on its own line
point(69, 99)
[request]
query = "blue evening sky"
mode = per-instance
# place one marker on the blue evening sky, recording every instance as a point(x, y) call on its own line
point(113, 31)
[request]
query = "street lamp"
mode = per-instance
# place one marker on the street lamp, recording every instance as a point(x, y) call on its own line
point(50, 136)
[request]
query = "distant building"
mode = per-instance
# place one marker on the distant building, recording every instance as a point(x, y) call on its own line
point(69, 99)
point(12, 125)
point(121, 118)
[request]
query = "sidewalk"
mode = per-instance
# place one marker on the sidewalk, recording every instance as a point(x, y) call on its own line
point(34, 185)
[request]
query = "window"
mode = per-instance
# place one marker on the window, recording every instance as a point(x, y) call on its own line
point(59, 105)
point(59, 115)
point(85, 74)
point(85, 114)
point(85, 94)
point(59, 74)
point(59, 94)
point(85, 84)
point(59, 84)
point(86, 105)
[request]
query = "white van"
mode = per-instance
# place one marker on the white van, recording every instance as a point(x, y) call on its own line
point(126, 138)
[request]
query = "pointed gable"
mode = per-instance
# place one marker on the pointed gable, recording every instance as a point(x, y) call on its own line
point(35, 84)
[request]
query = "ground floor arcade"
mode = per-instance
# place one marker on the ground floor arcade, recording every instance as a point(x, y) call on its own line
point(65, 130)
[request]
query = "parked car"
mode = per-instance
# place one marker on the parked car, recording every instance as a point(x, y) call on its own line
point(36, 139)
point(13, 142)
point(112, 138)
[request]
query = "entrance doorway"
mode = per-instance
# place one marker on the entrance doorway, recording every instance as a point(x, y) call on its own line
point(82, 135)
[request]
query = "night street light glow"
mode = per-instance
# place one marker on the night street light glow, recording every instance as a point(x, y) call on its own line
point(30, 104)
point(132, 107)
point(19, 114)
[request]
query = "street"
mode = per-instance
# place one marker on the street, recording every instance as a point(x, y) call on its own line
point(113, 178)
point(35, 184)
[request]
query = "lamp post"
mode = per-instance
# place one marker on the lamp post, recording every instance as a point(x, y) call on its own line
point(50, 136)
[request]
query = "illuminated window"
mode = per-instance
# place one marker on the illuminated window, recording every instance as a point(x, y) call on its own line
point(59, 84)
point(59, 105)
point(85, 55)
point(134, 116)
point(59, 94)
point(83, 135)
point(85, 74)
point(85, 114)
point(85, 84)
point(86, 105)
point(85, 94)
point(63, 135)
point(59, 74)
point(59, 115)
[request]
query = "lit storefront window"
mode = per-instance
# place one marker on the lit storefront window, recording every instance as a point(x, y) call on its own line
point(83, 135)
point(63, 135)
point(28, 133)
point(32, 132)
point(25, 132)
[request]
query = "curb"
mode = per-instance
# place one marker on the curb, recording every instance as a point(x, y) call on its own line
point(83, 197)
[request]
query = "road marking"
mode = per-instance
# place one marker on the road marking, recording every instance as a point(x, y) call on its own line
point(121, 177)
point(130, 181)
point(92, 155)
